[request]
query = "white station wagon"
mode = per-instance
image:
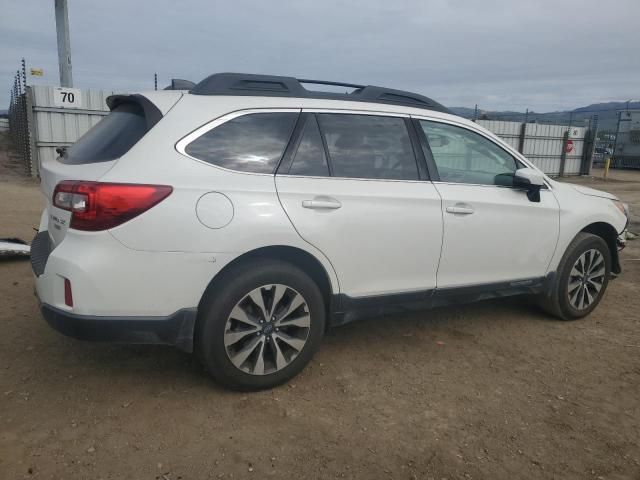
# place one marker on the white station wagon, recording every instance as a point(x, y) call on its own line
point(243, 216)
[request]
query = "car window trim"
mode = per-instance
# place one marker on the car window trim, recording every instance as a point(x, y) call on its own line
point(181, 144)
point(418, 153)
point(292, 146)
point(324, 145)
point(430, 162)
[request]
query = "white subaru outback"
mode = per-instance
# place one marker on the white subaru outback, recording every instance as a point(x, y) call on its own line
point(243, 216)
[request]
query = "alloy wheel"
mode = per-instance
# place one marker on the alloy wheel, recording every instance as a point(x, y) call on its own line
point(586, 279)
point(267, 329)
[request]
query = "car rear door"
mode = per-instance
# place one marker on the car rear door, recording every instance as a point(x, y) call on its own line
point(492, 232)
point(353, 188)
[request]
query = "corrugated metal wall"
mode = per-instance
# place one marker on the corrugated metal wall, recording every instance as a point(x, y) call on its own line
point(55, 126)
point(4, 124)
point(507, 131)
point(543, 144)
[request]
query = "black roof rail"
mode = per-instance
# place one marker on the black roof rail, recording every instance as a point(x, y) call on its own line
point(246, 84)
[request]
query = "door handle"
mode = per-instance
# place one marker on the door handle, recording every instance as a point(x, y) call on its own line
point(329, 203)
point(460, 209)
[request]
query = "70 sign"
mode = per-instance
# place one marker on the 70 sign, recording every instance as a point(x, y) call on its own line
point(67, 97)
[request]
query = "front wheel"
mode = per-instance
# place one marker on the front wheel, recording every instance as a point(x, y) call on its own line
point(260, 325)
point(582, 278)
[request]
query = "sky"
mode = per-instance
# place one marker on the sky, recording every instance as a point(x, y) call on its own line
point(544, 55)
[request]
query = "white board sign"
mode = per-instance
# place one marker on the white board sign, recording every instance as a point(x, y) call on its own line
point(67, 97)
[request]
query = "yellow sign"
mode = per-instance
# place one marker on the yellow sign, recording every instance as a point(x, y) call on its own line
point(37, 72)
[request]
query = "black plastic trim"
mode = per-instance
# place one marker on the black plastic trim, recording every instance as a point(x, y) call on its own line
point(292, 147)
point(426, 151)
point(40, 251)
point(176, 329)
point(244, 84)
point(418, 153)
point(346, 309)
point(474, 293)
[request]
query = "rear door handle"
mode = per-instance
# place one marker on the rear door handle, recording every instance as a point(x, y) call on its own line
point(460, 209)
point(327, 203)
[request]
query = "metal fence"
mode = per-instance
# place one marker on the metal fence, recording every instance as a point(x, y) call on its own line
point(554, 149)
point(627, 140)
point(54, 125)
point(18, 119)
point(41, 118)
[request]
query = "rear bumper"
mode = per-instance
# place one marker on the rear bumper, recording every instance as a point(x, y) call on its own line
point(176, 329)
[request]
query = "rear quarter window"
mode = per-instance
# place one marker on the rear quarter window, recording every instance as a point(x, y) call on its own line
point(111, 138)
point(249, 143)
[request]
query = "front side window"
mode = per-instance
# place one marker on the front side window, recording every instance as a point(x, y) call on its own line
point(249, 143)
point(368, 146)
point(463, 156)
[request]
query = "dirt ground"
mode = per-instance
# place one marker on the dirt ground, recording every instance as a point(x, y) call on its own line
point(495, 390)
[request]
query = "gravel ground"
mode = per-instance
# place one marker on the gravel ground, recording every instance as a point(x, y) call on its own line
point(492, 390)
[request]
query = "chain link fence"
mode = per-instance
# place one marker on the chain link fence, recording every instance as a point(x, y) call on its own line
point(19, 116)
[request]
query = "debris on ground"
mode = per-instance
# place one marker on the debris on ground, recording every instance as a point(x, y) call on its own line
point(14, 247)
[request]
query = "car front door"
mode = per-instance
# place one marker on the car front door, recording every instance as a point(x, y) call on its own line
point(493, 234)
point(353, 188)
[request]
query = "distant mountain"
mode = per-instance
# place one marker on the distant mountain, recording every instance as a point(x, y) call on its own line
point(607, 114)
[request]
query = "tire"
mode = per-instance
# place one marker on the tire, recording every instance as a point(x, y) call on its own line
point(563, 300)
point(280, 346)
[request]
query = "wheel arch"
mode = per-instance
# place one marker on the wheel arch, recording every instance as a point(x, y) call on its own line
point(294, 255)
point(608, 233)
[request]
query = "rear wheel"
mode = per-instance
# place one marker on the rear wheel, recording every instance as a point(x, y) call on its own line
point(260, 325)
point(582, 278)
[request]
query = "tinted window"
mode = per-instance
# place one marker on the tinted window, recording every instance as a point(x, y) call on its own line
point(463, 156)
point(250, 143)
point(368, 146)
point(111, 138)
point(310, 158)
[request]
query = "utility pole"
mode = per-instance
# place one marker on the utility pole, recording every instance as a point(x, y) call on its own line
point(64, 44)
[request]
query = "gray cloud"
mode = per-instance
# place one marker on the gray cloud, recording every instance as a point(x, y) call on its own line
point(542, 55)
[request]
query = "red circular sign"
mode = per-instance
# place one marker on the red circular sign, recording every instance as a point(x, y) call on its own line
point(569, 146)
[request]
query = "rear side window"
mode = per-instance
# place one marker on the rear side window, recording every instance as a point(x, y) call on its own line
point(249, 143)
point(368, 146)
point(111, 138)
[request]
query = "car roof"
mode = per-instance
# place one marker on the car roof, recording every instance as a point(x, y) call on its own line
point(243, 84)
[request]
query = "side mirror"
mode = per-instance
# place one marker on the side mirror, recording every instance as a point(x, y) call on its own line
point(531, 180)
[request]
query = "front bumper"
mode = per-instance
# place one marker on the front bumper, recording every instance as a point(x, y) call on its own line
point(176, 329)
point(621, 241)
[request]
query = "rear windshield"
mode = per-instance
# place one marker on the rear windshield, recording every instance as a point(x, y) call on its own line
point(111, 138)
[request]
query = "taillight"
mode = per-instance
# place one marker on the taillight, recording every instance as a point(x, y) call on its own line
point(98, 206)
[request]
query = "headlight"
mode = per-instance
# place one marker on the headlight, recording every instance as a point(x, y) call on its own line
point(623, 207)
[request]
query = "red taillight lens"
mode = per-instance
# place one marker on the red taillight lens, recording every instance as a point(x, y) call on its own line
point(68, 297)
point(98, 206)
